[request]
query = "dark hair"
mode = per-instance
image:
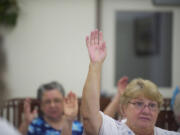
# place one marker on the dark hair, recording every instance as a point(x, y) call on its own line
point(48, 87)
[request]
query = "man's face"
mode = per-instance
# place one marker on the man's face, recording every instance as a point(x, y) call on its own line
point(52, 104)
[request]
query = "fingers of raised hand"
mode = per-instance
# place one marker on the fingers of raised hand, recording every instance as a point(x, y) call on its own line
point(27, 105)
point(92, 37)
point(103, 46)
point(35, 112)
point(96, 46)
point(122, 83)
point(123, 80)
point(71, 98)
point(96, 38)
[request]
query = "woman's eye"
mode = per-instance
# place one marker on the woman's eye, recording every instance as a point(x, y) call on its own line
point(152, 105)
point(140, 103)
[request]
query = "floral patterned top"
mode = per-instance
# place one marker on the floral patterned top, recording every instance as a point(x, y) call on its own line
point(40, 127)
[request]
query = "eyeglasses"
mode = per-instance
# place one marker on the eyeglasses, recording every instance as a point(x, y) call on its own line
point(141, 105)
point(55, 101)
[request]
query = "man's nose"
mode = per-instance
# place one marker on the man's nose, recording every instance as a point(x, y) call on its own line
point(52, 104)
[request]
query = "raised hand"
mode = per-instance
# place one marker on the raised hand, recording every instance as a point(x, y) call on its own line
point(71, 106)
point(28, 115)
point(96, 46)
point(114, 106)
point(121, 85)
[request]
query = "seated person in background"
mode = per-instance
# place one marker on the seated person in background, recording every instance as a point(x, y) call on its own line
point(140, 101)
point(114, 106)
point(176, 106)
point(175, 93)
point(58, 113)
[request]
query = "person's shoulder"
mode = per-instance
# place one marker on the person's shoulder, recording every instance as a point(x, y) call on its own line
point(109, 119)
point(112, 126)
point(38, 125)
point(38, 121)
point(166, 132)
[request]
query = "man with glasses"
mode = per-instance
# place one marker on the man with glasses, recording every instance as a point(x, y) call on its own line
point(58, 113)
point(140, 101)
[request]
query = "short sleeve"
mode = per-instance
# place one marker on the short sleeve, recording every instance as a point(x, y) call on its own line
point(160, 131)
point(108, 126)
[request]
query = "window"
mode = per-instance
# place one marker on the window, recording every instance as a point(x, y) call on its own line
point(144, 46)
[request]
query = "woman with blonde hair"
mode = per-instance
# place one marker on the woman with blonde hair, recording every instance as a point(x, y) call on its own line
point(140, 102)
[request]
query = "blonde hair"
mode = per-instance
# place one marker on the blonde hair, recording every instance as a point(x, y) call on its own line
point(140, 87)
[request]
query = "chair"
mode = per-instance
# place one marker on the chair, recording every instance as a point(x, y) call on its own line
point(12, 110)
point(166, 118)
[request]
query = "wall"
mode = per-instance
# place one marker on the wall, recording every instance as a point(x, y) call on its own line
point(109, 8)
point(48, 44)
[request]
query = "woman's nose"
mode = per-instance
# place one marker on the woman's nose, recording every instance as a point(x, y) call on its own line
point(146, 108)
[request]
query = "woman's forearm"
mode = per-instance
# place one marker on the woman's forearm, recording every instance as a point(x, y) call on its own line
point(90, 99)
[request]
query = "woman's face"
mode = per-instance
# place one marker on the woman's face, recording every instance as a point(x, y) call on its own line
point(141, 113)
